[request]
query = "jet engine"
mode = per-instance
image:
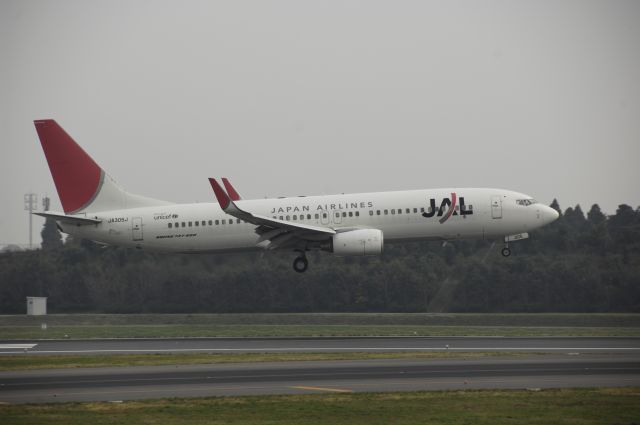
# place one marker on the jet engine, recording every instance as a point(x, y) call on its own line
point(358, 242)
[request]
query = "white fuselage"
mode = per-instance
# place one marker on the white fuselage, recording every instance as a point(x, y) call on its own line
point(479, 214)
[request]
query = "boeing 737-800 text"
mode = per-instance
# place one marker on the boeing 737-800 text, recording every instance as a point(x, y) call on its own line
point(97, 208)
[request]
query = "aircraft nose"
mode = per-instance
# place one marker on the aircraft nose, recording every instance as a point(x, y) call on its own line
point(549, 215)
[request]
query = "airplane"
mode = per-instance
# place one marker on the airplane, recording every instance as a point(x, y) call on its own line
point(97, 208)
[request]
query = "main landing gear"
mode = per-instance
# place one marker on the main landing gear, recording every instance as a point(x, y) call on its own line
point(506, 251)
point(301, 263)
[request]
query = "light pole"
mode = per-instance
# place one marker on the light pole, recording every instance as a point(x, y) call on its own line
point(31, 205)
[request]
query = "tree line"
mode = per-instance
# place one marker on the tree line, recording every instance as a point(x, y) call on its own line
point(579, 263)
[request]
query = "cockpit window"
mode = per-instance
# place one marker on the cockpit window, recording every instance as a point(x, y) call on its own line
point(525, 202)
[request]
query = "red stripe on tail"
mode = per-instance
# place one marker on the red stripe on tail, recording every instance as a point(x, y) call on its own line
point(76, 176)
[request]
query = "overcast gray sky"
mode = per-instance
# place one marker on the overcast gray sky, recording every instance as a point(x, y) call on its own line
point(318, 97)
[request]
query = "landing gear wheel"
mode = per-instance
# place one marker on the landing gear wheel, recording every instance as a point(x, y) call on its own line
point(506, 251)
point(300, 264)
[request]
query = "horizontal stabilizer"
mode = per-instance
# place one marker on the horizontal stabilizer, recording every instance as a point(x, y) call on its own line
point(69, 219)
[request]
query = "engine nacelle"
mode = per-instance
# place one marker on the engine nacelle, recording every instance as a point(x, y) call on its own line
point(358, 242)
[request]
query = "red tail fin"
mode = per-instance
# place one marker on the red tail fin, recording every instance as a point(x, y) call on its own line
point(77, 177)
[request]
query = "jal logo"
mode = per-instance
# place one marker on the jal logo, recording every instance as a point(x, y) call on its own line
point(447, 208)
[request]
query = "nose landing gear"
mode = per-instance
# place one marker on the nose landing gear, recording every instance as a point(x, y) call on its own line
point(300, 264)
point(512, 238)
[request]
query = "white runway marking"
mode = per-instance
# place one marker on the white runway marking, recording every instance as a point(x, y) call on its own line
point(312, 349)
point(16, 346)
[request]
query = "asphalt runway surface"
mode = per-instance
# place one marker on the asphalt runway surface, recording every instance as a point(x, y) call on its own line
point(512, 372)
point(347, 344)
point(568, 362)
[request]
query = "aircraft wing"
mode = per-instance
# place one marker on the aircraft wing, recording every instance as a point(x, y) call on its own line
point(68, 219)
point(278, 233)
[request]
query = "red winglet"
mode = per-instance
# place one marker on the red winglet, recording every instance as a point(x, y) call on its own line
point(223, 198)
point(230, 190)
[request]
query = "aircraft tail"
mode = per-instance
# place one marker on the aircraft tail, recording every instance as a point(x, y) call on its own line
point(81, 184)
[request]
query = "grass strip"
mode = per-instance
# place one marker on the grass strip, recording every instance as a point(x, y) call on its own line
point(421, 319)
point(601, 406)
point(28, 361)
point(180, 331)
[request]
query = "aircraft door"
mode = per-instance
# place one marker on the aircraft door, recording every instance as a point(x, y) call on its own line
point(496, 206)
point(136, 228)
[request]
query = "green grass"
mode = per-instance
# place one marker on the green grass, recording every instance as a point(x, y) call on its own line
point(23, 362)
point(370, 319)
point(567, 406)
point(257, 330)
point(83, 326)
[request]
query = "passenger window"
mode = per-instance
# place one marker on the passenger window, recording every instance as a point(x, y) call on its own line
point(281, 218)
point(357, 213)
point(350, 214)
point(324, 215)
point(344, 214)
point(177, 224)
point(190, 224)
point(408, 210)
point(415, 210)
point(295, 217)
point(393, 211)
point(399, 210)
point(170, 225)
point(370, 212)
point(184, 224)
point(288, 217)
point(217, 222)
point(337, 214)
point(308, 216)
point(197, 223)
point(230, 221)
point(377, 212)
point(422, 210)
point(210, 222)
point(386, 212)
point(317, 216)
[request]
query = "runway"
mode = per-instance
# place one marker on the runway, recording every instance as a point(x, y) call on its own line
point(347, 344)
point(128, 383)
point(568, 362)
